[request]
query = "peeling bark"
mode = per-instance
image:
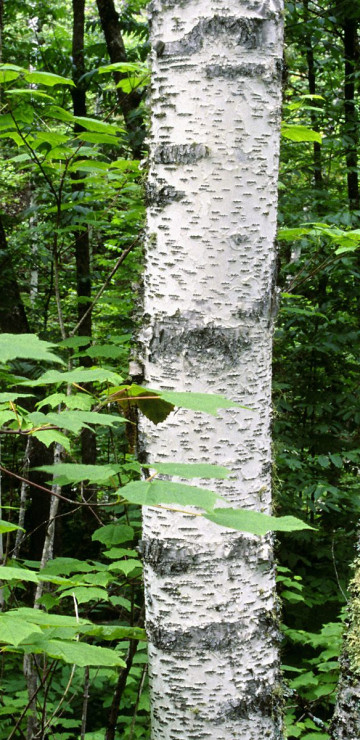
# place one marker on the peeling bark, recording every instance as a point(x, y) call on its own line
point(210, 298)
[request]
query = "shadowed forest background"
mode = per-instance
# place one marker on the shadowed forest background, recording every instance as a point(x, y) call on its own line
point(73, 121)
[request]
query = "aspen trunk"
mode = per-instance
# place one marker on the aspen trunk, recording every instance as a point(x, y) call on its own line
point(209, 305)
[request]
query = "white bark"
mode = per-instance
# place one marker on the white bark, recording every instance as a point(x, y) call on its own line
point(345, 724)
point(209, 303)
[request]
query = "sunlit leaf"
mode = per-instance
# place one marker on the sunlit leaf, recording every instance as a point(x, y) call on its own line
point(254, 521)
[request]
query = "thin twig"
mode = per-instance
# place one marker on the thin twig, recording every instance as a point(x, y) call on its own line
point(104, 286)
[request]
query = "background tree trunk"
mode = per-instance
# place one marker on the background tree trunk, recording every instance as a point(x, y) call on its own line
point(346, 721)
point(209, 303)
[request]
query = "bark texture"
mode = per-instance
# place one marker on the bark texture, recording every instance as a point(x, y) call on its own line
point(346, 721)
point(209, 302)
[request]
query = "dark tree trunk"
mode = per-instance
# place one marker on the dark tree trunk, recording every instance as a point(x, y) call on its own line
point(351, 56)
point(13, 318)
point(81, 237)
point(318, 178)
point(129, 102)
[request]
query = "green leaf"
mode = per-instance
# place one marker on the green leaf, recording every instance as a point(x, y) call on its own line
point(81, 654)
point(65, 473)
point(47, 78)
point(84, 594)
point(7, 573)
point(101, 127)
point(88, 165)
point(94, 138)
point(126, 566)
point(48, 436)
point(300, 133)
point(105, 350)
point(113, 534)
point(75, 342)
point(81, 401)
point(158, 492)
point(29, 346)
point(74, 421)
point(5, 397)
point(289, 235)
point(38, 617)
point(79, 376)
point(336, 460)
point(119, 67)
point(116, 632)
point(29, 93)
point(254, 521)
point(7, 75)
point(8, 527)
point(13, 630)
point(205, 402)
point(191, 470)
point(60, 114)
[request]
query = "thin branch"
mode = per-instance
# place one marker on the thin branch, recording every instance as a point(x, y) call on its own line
point(104, 286)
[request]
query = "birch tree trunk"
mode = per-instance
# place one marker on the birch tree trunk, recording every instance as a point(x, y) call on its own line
point(209, 305)
point(345, 724)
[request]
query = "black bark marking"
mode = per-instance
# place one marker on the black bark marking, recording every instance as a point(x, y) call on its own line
point(222, 346)
point(180, 153)
point(261, 699)
point(160, 196)
point(233, 72)
point(216, 636)
point(247, 33)
point(165, 559)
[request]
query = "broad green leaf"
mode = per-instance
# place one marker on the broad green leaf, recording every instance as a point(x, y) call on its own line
point(291, 234)
point(92, 124)
point(65, 473)
point(191, 470)
point(88, 166)
point(113, 534)
point(38, 617)
point(119, 552)
point(300, 133)
point(29, 93)
point(6, 75)
point(6, 415)
point(7, 573)
point(48, 436)
point(75, 342)
point(336, 460)
point(79, 376)
point(5, 397)
point(60, 114)
point(105, 350)
point(159, 492)
point(115, 632)
point(205, 402)
point(81, 654)
point(119, 67)
point(76, 401)
point(14, 630)
point(8, 527)
point(126, 566)
point(131, 83)
point(65, 566)
point(95, 138)
point(74, 421)
point(254, 521)
point(47, 78)
point(84, 594)
point(29, 346)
